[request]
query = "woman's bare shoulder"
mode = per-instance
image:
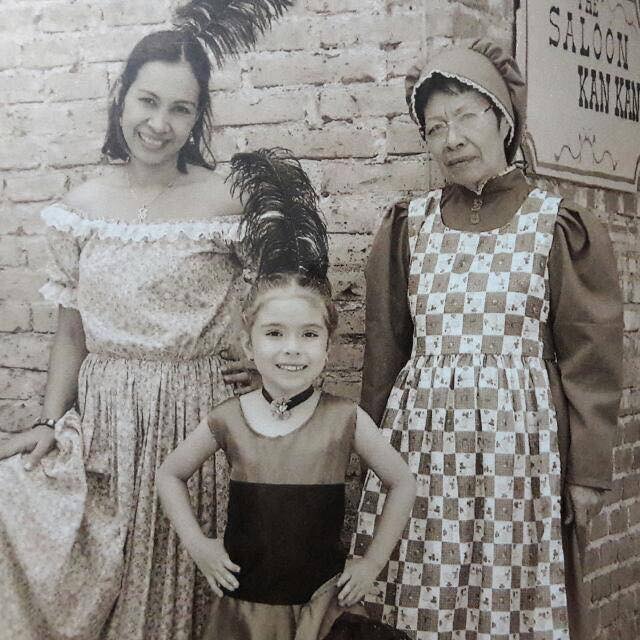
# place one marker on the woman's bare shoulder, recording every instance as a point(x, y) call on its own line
point(93, 196)
point(211, 189)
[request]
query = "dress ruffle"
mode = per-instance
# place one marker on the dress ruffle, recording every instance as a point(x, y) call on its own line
point(59, 294)
point(225, 228)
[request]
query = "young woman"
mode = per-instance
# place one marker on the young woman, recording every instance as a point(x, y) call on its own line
point(147, 281)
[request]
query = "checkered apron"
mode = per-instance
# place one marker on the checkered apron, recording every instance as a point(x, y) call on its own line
point(471, 413)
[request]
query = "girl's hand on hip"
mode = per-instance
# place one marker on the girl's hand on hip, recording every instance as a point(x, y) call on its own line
point(214, 562)
point(37, 442)
point(356, 580)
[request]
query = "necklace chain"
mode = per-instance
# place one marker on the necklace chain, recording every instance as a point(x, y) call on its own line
point(143, 210)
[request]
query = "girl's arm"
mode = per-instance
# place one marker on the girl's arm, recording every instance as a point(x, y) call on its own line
point(171, 482)
point(389, 466)
point(67, 354)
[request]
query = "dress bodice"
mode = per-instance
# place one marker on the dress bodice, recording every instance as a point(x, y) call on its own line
point(480, 292)
point(165, 290)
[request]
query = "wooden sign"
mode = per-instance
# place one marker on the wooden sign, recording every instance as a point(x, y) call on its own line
point(582, 64)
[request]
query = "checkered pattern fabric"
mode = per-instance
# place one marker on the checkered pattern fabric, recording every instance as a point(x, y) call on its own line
point(471, 413)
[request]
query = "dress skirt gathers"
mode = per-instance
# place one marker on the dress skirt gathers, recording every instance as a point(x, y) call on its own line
point(85, 551)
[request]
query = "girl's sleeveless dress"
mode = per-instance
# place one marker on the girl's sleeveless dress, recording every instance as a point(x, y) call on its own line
point(85, 551)
point(481, 557)
point(286, 511)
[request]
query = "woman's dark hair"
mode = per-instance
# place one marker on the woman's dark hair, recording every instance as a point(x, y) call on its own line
point(166, 46)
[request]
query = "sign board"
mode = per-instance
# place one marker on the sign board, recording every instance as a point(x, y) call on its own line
point(582, 64)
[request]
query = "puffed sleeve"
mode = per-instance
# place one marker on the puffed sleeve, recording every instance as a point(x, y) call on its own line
point(388, 323)
point(587, 326)
point(63, 235)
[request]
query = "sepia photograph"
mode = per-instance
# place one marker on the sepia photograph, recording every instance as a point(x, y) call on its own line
point(320, 320)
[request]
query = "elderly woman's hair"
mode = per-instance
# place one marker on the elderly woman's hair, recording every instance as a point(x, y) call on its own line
point(172, 47)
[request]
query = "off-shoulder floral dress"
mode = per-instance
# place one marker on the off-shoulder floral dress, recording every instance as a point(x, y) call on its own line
point(85, 550)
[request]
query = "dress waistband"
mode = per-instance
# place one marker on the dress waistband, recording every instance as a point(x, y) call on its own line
point(223, 355)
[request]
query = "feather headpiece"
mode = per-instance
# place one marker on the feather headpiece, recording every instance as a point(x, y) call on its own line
point(283, 230)
point(227, 27)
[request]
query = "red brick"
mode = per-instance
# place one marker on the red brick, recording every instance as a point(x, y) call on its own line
point(20, 284)
point(599, 527)
point(44, 317)
point(21, 85)
point(78, 83)
point(619, 520)
point(20, 384)
point(631, 430)
point(64, 16)
point(634, 513)
point(10, 53)
point(14, 316)
point(601, 587)
point(24, 351)
point(631, 486)
point(17, 415)
point(361, 65)
point(623, 460)
point(133, 12)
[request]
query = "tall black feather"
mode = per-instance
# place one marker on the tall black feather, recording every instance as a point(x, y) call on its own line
point(228, 27)
point(283, 230)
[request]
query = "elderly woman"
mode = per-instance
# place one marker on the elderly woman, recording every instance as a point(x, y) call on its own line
point(496, 311)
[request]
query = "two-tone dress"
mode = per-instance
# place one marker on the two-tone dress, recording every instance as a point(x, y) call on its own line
point(286, 512)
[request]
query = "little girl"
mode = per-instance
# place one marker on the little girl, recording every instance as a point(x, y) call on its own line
point(281, 570)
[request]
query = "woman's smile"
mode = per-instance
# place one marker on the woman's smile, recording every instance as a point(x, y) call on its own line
point(152, 143)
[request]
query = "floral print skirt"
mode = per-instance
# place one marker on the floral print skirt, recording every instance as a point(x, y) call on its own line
point(85, 550)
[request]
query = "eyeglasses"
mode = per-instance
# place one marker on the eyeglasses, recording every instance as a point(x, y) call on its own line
point(464, 122)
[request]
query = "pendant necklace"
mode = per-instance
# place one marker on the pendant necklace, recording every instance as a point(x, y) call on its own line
point(281, 408)
point(474, 217)
point(143, 210)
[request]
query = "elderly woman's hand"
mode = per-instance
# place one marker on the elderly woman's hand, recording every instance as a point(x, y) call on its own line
point(582, 504)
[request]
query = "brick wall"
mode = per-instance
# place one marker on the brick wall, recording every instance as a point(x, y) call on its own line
point(327, 82)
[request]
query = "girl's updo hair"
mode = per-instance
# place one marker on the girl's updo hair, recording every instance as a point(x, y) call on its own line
point(165, 46)
point(320, 288)
point(284, 233)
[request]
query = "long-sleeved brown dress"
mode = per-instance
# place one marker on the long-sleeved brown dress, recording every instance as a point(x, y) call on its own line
point(581, 343)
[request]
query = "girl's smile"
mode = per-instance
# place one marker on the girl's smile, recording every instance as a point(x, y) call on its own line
point(289, 342)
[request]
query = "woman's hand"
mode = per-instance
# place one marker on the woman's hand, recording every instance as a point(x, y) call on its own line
point(582, 504)
point(214, 562)
point(356, 580)
point(37, 442)
point(242, 377)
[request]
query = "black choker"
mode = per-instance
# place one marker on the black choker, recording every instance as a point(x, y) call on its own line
point(282, 408)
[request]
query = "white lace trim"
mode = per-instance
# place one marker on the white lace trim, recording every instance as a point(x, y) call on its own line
point(62, 218)
point(470, 83)
point(59, 294)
